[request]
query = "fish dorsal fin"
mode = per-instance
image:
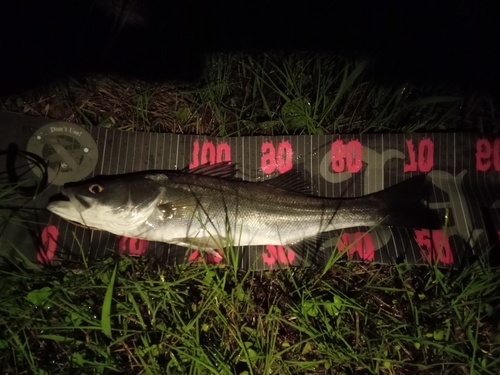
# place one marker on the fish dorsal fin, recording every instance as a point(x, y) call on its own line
point(292, 181)
point(223, 169)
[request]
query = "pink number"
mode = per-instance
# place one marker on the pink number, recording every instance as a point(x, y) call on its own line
point(284, 160)
point(209, 258)
point(194, 256)
point(359, 242)
point(278, 254)
point(412, 166)
point(137, 247)
point(223, 152)
point(425, 161)
point(48, 246)
point(268, 159)
point(338, 156)
point(354, 156)
point(363, 245)
point(350, 155)
point(435, 246)
point(272, 161)
point(208, 153)
point(425, 155)
point(195, 159)
point(483, 155)
point(134, 246)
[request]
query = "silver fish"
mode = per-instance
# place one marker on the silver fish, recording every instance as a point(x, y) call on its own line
point(208, 208)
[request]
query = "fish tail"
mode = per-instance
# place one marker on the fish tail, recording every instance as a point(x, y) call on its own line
point(404, 205)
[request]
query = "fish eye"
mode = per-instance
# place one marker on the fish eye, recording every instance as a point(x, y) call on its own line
point(95, 189)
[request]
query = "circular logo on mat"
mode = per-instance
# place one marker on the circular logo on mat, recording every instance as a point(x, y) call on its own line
point(69, 150)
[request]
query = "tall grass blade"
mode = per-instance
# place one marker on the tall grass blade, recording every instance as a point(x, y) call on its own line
point(106, 306)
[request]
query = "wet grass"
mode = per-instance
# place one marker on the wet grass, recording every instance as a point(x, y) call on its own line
point(130, 315)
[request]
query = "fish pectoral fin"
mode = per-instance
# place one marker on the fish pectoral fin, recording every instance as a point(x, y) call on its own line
point(312, 250)
point(182, 207)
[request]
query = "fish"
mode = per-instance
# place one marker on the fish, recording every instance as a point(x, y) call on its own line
point(209, 208)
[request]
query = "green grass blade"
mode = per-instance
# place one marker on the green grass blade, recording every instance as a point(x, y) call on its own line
point(106, 306)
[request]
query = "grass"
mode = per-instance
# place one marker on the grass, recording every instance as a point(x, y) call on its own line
point(263, 94)
point(134, 316)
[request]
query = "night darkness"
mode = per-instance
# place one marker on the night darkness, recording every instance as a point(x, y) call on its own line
point(453, 42)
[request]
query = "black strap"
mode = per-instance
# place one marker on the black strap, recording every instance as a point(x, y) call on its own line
point(12, 153)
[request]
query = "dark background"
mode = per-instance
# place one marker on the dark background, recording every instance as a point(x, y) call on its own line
point(451, 43)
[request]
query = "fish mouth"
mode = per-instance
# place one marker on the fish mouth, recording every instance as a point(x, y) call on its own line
point(66, 202)
point(63, 203)
point(60, 197)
